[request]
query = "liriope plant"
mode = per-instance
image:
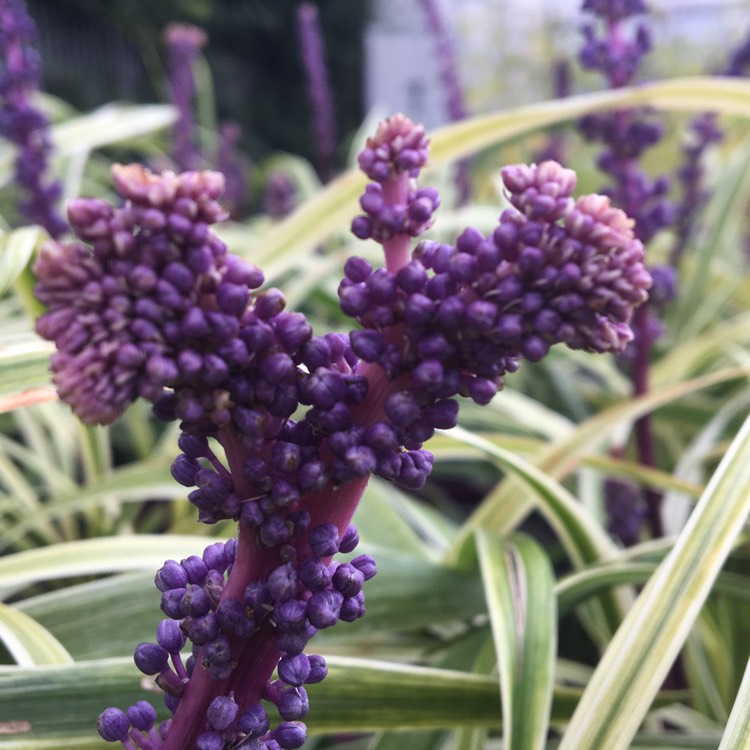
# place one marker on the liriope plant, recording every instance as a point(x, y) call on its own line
point(462, 618)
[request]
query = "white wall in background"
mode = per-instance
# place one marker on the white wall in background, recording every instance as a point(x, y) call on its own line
point(507, 49)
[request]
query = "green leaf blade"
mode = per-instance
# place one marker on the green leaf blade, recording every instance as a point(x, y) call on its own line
point(518, 584)
point(637, 660)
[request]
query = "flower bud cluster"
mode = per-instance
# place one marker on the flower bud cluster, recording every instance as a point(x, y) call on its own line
point(398, 147)
point(135, 728)
point(383, 220)
point(618, 58)
point(304, 592)
point(456, 319)
point(131, 317)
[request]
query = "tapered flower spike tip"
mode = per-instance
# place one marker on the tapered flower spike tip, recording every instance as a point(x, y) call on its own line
point(398, 147)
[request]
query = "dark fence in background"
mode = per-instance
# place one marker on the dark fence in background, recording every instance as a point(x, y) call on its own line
point(86, 61)
point(96, 51)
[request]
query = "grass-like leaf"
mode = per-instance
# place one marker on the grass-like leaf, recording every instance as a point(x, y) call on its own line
point(24, 367)
point(334, 206)
point(358, 695)
point(28, 642)
point(737, 733)
point(504, 509)
point(518, 585)
point(113, 123)
point(15, 252)
point(94, 556)
point(643, 649)
point(584, 539)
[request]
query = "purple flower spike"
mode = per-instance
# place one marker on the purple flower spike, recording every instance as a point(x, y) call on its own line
point(233, 166)
point(541, 192)
point(148, 303)
point(398, 147)
point(319, 93)
point(22, 123)
point(158, 325)
point(184, 43)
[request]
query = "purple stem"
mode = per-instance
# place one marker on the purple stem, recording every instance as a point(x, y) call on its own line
point(643, 430)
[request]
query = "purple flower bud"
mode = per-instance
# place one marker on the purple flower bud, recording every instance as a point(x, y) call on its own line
point(290, 618)
point(113, 725)
point(482, 390)
point(361, 460)
point(401, 408)
point(294, 704)
point(193, 446)
point(210, 741)
point(314, 573)
point(185, 470)
point(282, 583)
point(366, 565)
point(150, 658)
point(258, 599)
point(202, 629)
point(142, 716)
point(381, 437)
point(443, 414)
point(254, 721)
point(295, 670)
point(290, 735)
point(232, 616)
point(171, 702)
point(215, 557)
point(349, 539)
point(348, 580)
point(367, 344)
point(362, 227)
point(273, 531)
point(195, 568)
point(170, 576)
point(353, 298)
point(196, 602)
point(357, 269)
point(292, 330)
point(324, 540)
point(353, 608)
point(170, 636)
point(312, 476)
point(323, 608)
point(222, 712)
point(318, 669)
point(171, 602)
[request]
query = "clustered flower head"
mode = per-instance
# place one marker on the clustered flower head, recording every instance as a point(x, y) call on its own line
point(148, 303)
point(22, 123)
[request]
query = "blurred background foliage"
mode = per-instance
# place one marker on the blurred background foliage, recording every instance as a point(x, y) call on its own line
point(96, 51)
